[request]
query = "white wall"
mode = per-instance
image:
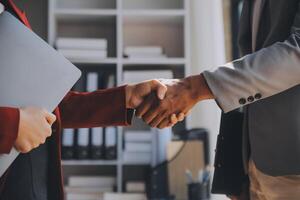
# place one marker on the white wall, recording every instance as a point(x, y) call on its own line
point(208, 51)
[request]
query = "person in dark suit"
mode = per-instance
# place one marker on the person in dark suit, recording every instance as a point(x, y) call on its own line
point(36, 173)
point(262, 143)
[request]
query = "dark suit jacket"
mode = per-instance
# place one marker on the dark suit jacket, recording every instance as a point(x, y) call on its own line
point(278, 21)
point(77, 110)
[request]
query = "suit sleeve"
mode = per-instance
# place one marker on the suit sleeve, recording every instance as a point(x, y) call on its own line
point(259, 75)
point(9, 127)
point(95, 109)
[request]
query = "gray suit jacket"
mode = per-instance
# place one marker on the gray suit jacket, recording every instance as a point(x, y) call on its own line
point(267, 84)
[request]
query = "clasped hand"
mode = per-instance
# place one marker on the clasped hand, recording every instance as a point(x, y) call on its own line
point(169, 101)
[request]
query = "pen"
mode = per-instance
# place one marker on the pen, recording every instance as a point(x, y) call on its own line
point(200, 175)
point(189, 176)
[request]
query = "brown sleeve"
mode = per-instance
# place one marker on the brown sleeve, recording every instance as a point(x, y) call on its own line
point(95, 109)
point(9, 126)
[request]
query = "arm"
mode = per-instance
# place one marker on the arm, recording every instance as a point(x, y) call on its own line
point(9, 125)
point(260, 75)
point(99, 108)
point(110, 107)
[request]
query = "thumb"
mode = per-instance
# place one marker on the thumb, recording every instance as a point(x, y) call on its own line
point(51, 118)
point(160, 88)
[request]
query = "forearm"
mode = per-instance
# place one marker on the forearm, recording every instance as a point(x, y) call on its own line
point(199, 89)
point(99, 108)
point(9, 126)
point(260, 75)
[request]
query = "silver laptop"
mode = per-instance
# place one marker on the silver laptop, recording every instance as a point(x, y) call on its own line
point(32, 73)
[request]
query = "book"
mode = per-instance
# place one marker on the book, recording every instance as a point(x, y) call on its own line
point(96, 196)
point(146, 56)
point(83, 143)
point(135, 187)
point(87, 190)
point(92, 81)
point(92, 181)
point(153, 50)
point(83, 54)
point(137, 157)
point(97, 151)
point(96, 145)
point(111, 143)
point(138, 136)
point(124, 196)
point(81, 43)
point(111, 81)
point(138, 76)
point(138, 147)
point(68, 139)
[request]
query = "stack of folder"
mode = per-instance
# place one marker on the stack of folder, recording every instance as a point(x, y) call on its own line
point(89, 187)
point(138, 147)
point(144, 52)
point(82, 48)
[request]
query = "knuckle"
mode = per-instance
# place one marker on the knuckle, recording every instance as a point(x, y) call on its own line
point(155, 81)
point(36, 145)
point(25, 149)
point(49, 131)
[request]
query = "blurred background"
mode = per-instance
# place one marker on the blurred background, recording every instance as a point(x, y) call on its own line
point(122, 41)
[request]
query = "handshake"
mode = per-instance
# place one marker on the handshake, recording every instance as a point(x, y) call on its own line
point(165, 102)
point(160, 103)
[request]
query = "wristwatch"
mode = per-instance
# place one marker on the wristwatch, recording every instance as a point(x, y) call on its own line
point(1, 8)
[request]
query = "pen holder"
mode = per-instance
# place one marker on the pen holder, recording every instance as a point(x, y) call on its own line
point(198, 191)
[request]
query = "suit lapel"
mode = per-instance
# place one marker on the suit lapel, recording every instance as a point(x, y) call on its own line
point(255, 34)
point(245, 29)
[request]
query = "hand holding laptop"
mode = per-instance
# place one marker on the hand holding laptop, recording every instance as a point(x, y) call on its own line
point(34, 128)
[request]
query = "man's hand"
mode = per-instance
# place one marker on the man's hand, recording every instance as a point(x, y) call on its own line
point(180, 98)
point(136, 93)
point(34, 128)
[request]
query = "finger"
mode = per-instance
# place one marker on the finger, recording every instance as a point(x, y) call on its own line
point(48, 131)
point(160, 88)
point(165, 123)
point(158, 119)
point(145, 106)
point(174, 119)
point(180, 117)
point(149, 116)
point(25, 148)
point(51, 118)
point(155, 110)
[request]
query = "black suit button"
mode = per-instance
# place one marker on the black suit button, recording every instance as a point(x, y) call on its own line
point(258, 96)
point(250, 99)
point(242, 101)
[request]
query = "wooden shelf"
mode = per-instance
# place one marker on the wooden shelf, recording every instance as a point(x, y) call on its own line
point(94, 61)
point(161, 61)
point(64, 13)
point(156, 12)
point(123, 23)
point(89, 162)
point(136, 164)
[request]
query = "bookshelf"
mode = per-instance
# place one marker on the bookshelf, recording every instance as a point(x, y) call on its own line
point(124, 23)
